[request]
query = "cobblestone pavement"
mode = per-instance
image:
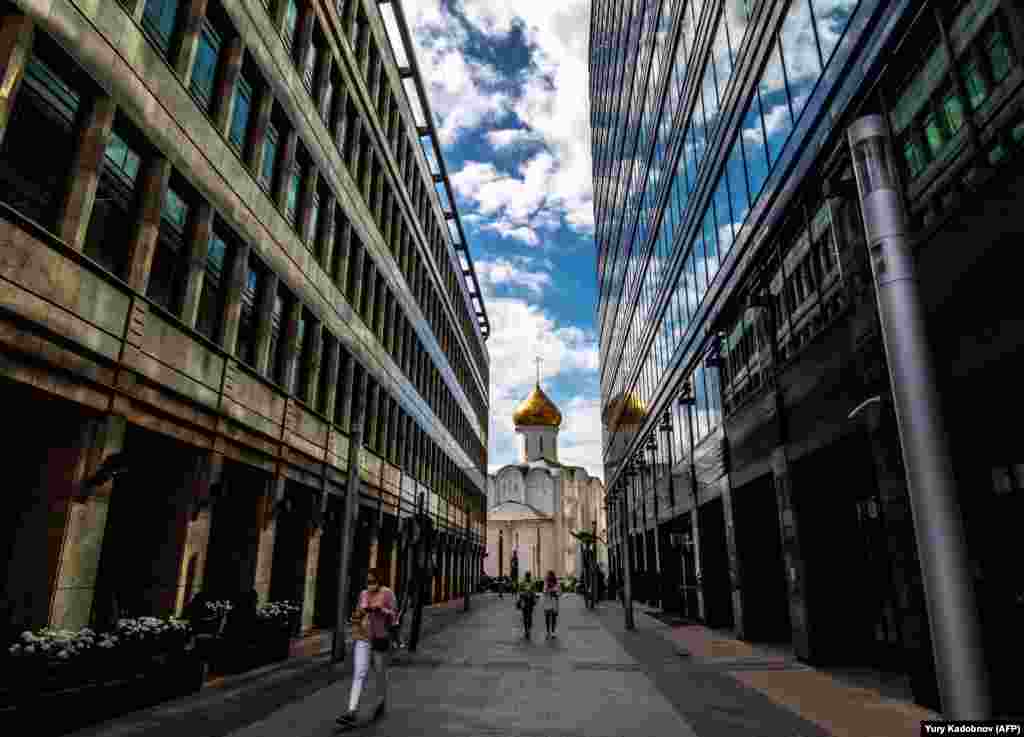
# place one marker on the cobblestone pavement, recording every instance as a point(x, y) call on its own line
point(475, 675)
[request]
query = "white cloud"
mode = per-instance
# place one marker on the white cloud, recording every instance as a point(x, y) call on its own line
point(550, 102)
point(504, 272)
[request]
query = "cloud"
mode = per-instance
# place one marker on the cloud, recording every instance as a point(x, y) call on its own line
point(549, 100)
point(503, 272)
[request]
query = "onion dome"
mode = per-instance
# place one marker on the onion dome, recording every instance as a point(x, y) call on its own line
point(537, 409)
point(626, 410)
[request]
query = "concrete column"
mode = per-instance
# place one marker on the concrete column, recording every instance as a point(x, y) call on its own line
point(392, 435)
point(342, 237)
point(152, 189)
point(380, 299)
point(370, 291)
point(267, 523)
point(199, 248)
point(312, 566)
point(209, 471)
point(332, 365)
point(795, 569)
point(84, 179)
point(306, 198)
point(327, 242)
point(372, 408)
point(16, 33)
point(224, 91)
point(74, 584)
point(735, 573)
point(291, 143)
point(233, 298)
point(265, 311)
point(346, 387)
point(356, 257)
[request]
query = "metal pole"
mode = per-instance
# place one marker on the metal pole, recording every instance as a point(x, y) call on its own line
point(627, 563)
point(466, 584)
point(419, 578)
point(945, 565)
point(348, 521)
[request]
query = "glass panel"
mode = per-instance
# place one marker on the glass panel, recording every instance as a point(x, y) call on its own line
point(977, 89)
point(953, 108)
point(158, 16)
point(292, 201)
point(291, 21)
point(724, 217)
point(934, 134)
point(738, 184)
point(999, 57)
point(211, 297)
point(831, 18)
point(205, 68)
point(778, 121)
point(314, 219)
point(123, 158)
point(754, 146)
point(240, 113)
point(175, 210)
point(269, 157)
point(920, 89)
point(799, 55)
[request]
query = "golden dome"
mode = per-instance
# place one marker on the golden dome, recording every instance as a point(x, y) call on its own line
point(626, 410)
point(537, 409)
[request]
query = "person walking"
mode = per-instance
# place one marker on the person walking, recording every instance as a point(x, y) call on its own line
point(551, 594)
point(371, 623)
point(525, 602)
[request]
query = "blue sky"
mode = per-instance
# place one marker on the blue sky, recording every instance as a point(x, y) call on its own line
point(508, 87)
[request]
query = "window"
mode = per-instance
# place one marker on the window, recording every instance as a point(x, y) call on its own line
point(204, 71)
point(291, 23)
point(277, 349)
point(214, 291)
point(33, 177)
point(240, 114)
point(169, 270)
point(112, 221)
point(1000, 58)
point(252, 294)
point(324, 379)
point(291, 207)
point(314, 220)
point(159, 17)
point(303, 341)
point(269, 158)
point(953, 112)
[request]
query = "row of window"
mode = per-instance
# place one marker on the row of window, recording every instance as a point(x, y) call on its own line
point(770, 116)
point(933, 104)
point(197, 258)
point(285, 170)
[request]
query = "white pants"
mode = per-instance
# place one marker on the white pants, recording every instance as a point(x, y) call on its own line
point(361, 665)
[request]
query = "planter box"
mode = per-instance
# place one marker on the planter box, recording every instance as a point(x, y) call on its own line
point(53, 706)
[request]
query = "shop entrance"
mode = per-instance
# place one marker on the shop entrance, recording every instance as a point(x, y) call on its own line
point(235, 532)
point(291, 544)
point(714, 565)
point(759, 548)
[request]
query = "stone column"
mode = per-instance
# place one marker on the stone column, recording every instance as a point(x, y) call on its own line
point(327, 242)
point(199, 248)
point(795, 575)
point(84, 525)
point(16, 34)
point(372, 397)
point(346, 386)
point(224, 89)
point(267, 523)
point(208, 471)
point(93, 137)
point(152, 189)
point(332, 365)
point(265, 311)
point(312, 566)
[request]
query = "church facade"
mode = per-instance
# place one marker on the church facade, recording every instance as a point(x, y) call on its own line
point(536, 505)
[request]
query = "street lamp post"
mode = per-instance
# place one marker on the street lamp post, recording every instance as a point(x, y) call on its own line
point(688, 400)
point(627, 573)
point(652, 448)
point(945, 565)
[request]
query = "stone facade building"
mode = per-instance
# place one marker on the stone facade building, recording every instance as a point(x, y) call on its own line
point(738, 320)
point(533, 507)
point(221, 223)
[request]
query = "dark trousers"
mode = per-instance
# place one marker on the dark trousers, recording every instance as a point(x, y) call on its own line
point(527, 618)
point(551, 620)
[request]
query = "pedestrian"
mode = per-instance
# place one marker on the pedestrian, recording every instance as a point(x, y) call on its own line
point(551, 594)
point(371, 623)
point(525, 602)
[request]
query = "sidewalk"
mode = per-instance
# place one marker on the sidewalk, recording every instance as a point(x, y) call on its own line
point(844, 704)
point(230, 703)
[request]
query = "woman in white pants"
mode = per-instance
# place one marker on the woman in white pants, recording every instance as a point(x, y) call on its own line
point(551, 593)
point(371, 639)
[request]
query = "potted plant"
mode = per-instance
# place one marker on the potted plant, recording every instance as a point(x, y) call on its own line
point(278, 620)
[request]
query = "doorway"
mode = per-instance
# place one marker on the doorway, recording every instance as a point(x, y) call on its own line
point(234, 534)
point(714, 565)
point(759, 549)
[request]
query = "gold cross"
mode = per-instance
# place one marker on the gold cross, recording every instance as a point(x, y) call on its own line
point(538, 360)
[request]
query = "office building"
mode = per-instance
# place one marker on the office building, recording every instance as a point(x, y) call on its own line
point(222, 223)
point(750, 446)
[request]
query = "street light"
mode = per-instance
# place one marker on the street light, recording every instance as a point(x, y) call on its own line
point(627, 552)
point(945, 566)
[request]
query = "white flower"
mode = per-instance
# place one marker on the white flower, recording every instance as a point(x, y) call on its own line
point(64, 654)
point(14, 649)
point(30, 649)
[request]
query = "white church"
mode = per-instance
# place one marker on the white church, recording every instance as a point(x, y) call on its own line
point(534, 506)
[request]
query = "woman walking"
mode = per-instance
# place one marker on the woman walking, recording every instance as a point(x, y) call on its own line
point(551, 594)
point(371, 623)
point(525, 602)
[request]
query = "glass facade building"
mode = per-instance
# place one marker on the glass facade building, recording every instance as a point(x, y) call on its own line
point(730, 250)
